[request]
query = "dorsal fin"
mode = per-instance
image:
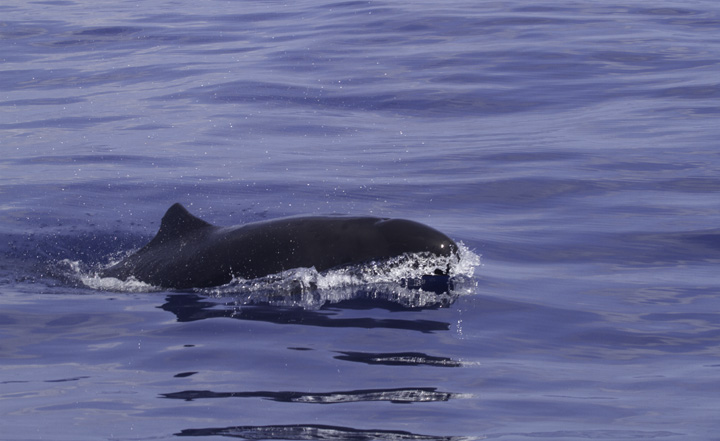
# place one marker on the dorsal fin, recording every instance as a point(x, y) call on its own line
point(178, 222)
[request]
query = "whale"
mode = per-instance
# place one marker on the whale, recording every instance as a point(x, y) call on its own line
point(188, 252)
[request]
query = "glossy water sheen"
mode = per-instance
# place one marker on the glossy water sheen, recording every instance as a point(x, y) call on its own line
point(573, 144)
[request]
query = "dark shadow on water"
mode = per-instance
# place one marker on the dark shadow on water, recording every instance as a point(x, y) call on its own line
point(312, 432)
point(402, 395)
point(398, 359)
point(192, 307)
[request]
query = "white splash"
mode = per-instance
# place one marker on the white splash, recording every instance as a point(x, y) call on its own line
point(402, 280)
point(79, 272)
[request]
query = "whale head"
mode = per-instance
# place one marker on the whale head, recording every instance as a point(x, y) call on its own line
point(406, 236)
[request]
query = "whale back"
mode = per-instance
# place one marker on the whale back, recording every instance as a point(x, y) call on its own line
point(188, 252)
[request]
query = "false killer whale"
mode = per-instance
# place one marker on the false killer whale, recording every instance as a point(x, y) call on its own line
point(188, 252)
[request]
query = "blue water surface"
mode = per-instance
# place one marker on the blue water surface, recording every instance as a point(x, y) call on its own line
point(573, 145)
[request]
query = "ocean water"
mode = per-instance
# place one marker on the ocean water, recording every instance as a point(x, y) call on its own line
point(573, 146)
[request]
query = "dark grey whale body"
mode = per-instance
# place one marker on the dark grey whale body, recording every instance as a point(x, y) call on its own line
point(188, 252)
